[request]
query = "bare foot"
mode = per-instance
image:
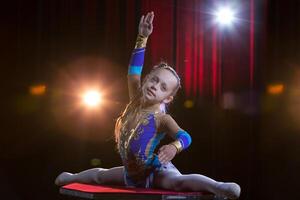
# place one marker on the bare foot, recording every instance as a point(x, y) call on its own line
point(63, 179)
point(229, 190)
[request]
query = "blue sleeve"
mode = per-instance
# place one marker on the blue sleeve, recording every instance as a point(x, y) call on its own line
point(184, 138)
point(136, 61)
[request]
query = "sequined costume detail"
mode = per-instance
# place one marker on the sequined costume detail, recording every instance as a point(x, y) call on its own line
point(137, 152)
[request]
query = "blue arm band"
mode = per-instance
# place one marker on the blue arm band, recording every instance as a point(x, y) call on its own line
point(135, 70)
point(136, 62)
point(184, 138)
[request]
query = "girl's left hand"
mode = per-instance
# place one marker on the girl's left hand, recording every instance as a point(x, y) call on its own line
point(146, 24)
point(166, 153)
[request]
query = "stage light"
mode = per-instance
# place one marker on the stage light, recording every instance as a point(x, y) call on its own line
point(275, 89)
point(37, 90)
point(225, 16)
point(92, 98)
point(188, 104)
point(95, 162)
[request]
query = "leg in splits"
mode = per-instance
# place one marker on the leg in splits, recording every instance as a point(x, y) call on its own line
point(173, 180)
point(112, 176)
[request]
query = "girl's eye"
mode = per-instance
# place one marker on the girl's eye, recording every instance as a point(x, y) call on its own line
point(153, 79)
point(163, 88)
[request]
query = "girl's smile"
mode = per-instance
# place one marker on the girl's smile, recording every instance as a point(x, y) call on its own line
point(152, 93)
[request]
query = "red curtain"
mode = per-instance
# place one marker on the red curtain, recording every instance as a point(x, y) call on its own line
point(209, 60)
point(185, 36)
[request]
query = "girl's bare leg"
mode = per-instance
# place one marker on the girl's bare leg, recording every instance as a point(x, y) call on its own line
point(93, 176)
point(174, 180)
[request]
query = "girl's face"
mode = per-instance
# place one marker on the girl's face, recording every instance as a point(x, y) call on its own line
point(159, 86)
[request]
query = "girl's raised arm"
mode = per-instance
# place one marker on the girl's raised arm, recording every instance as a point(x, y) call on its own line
point(138, 54)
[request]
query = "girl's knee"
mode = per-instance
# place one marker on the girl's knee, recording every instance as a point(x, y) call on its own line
point(100, 177)
point(178, 183)
point(110, 176)
point(184, 182)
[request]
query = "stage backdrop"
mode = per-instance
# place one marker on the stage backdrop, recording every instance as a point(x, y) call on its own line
point(210, 59)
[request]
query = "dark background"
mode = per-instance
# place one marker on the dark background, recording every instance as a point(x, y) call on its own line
point(68, 44)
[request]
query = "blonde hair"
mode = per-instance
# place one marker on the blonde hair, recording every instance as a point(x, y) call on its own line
point(135, 105)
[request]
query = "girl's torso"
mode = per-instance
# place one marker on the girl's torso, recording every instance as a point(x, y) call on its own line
point(137, 147)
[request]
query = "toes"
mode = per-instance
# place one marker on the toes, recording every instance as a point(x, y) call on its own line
point(63, 178)
point(229, 190)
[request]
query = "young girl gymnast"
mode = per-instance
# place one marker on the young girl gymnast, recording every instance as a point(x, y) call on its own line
point(141, 127)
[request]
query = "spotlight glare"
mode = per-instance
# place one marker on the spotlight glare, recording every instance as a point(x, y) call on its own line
point(38, 90)
point(275, 89)
point(225, 16)
point(188, 104)
point(92, 98)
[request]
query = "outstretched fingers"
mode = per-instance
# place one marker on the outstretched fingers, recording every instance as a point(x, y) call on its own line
point(146, 26)
point(142, 19)
point(148, 19)
point(151, 17)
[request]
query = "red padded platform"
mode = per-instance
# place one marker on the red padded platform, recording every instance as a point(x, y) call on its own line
point(85, 191)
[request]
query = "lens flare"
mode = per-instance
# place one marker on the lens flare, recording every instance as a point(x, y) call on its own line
point(189, 104)
point(275, 89)
point(225, 16)
point(92, 98)
point(37, 90)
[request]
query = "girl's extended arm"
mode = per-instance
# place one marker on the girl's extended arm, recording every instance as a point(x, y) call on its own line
point(138, 54)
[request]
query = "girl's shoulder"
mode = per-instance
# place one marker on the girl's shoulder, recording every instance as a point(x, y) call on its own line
point(167, 124)
point(163, 116)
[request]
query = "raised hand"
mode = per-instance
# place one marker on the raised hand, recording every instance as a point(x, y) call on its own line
point(146, 25)
point(166, 153)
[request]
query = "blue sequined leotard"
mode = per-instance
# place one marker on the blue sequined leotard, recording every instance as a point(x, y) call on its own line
point(137, 152)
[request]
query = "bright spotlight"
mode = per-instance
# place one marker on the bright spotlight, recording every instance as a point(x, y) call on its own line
point(92, 98)
point(225, 16)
